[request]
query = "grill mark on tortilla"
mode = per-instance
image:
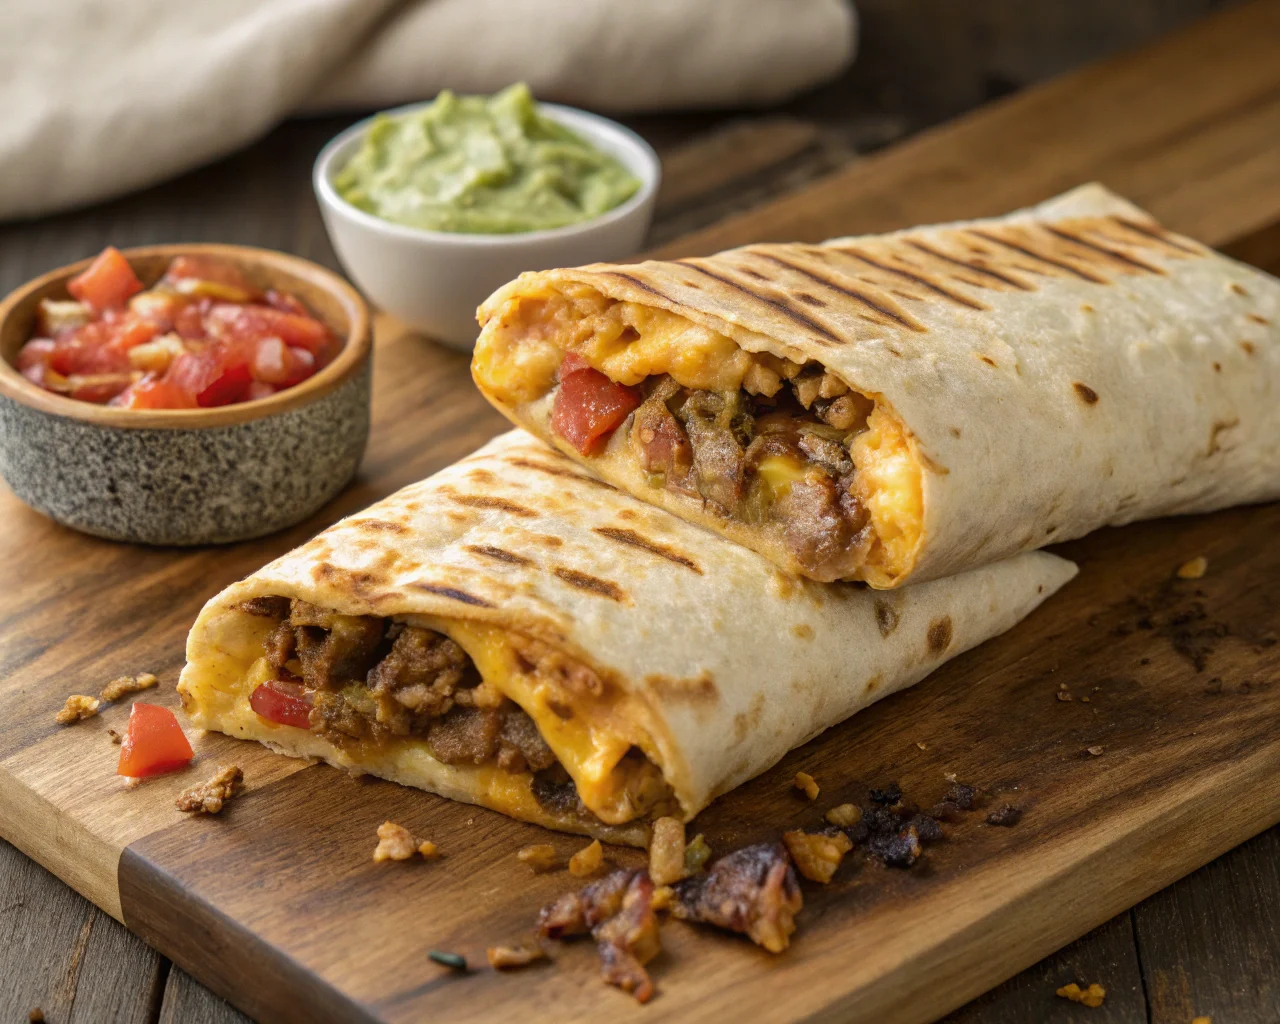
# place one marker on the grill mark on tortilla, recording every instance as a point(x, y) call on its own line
point(498, 554)
point(379, 525)
point(886, 617)
point(630, 537)
point(939, 635)
point(490, 501)
point(639, 284)
point(900, 319)
point(781, 307)
point(923, 282)
point(995, 275)
point(591, 584)
point(567, 474)
point(1032, 254)
point(1119, 257)
point(1156, 234)
point(453, 593)
point(1086, 393)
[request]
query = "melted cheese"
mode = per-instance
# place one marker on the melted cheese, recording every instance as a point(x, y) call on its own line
point(522, 343)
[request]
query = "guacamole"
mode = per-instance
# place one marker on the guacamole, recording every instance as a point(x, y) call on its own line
point(481, 165)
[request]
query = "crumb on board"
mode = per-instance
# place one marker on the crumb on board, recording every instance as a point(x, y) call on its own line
point(1193, 568)
point(588, 860)
point(126, 685)
point(209, 797)
point(662, 898)
point(696, 855)
point(949, 776)
point(77, 707)
point(395, 842)
point(1091, 996)
point(36, 1016)
point(666, 851)
point(115, 736)
point(1005, 815)
point(1201, 1020)
point(521, 954)
point(1096, 751)
point(817, 856)
point(844, 815)
point(922, 744)
point(807, 785)
point(1064, 694)
point(540, 857)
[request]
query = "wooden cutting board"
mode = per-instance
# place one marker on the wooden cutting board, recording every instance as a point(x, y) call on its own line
point(276, 904)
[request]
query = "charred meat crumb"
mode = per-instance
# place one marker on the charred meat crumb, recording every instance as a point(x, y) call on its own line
point(395, 842)
point(927, 828)
point(267, 607)
point(211, 796)
point(1005, 815)
point(753, 891)
point(891, 794)
point(666, 851)
point(588, 860)
point(896, 850)
point(964, 797)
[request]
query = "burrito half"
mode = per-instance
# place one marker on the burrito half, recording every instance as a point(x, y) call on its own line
point(512, 633)
point(907, 406)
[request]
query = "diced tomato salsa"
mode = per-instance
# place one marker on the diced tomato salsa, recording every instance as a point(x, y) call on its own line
point(202, 336)
point(284, 702)
point(589, 406)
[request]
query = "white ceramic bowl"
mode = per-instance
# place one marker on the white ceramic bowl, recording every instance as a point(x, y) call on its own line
point(434, 280)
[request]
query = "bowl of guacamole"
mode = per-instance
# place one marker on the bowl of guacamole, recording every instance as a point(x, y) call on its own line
point(432, 206)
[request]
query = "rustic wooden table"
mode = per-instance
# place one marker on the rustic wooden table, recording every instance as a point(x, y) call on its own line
point(1210, 942)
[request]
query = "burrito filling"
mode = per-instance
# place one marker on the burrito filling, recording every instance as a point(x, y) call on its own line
point(365, 684)
point(785, 447)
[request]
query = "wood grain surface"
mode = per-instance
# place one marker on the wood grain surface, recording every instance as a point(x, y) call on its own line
point(1148, 743)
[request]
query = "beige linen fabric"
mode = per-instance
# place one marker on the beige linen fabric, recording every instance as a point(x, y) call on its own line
point(99, 97)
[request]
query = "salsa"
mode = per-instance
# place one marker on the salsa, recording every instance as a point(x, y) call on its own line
point(481, 165)
point(202, 336)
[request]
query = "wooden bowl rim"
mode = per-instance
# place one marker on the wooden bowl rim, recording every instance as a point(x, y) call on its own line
point(354, 352)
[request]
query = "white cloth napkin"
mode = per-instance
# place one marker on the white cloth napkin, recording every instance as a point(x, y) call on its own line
point(98, 97)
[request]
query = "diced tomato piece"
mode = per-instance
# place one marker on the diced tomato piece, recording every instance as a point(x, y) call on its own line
point(87, 349)
point(285, 302)
point(207, 268)
point(188, 322)
point(253, 321)
point(107, 283)
point(97, 387)
point(283, 702)
point(153, 744)
point(572, 363)
point(218, 374)
point(36, 352)
point(589, 407)
point(153, 392)
point(129, 332)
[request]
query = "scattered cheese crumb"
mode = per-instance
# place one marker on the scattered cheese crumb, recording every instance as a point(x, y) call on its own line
point(504, 958)
point(1091, 996)
point(806, 784)
point(666, 851)
point(949, 776)
point(395, 842)
point(540, 857)
point(845, 815)
point(209, 797)
point(1095, 751)
point(125, 685)
point(588, 860)
point(817, 856)
point(662, 897)
point(1193, 569)
point(76, 708)
point(1201, 1020)
point(115, 736)
point(1064, 695)
point(922, 745)
point(36, 1016)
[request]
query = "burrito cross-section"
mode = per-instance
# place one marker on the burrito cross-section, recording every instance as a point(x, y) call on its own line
point(513, 633)
point(907, 406)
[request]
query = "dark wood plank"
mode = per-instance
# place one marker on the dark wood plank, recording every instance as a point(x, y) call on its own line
point(1211, 943)
point(1107, 955)
point(65, 956)
point(186, 1001)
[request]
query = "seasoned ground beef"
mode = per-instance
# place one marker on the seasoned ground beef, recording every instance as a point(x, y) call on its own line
point(711, 445)
point(371, 679)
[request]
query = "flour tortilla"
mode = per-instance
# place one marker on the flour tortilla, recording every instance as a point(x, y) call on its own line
point(721, 661)
point(1058, 369)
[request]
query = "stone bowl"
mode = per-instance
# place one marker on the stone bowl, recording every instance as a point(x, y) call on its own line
point(190, 476)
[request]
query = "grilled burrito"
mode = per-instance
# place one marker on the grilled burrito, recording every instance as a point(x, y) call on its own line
point(512, 633)
point(907, 406)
